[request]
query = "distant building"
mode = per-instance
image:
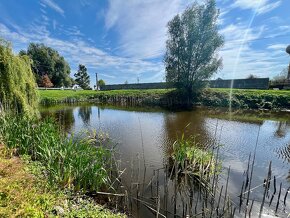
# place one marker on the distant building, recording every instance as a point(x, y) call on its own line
point(76, 87)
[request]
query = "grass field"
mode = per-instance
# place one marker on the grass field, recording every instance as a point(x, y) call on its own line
point(48, 97)
point(241, 98)
point(63, 94)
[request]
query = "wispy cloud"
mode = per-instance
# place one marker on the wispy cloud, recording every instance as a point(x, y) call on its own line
point(142, 25)
point(260, 6)
point(258, 61)
point(77, 51)
point(54, 6)
point(277, 47)
point(133, 33)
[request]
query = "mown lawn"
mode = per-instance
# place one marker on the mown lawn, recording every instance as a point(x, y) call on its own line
point(61, 96)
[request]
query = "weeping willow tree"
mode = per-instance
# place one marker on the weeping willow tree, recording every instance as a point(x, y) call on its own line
point(18, 93)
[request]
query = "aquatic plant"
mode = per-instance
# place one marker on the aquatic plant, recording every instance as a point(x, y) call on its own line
point(70, 162)
point(190, 158)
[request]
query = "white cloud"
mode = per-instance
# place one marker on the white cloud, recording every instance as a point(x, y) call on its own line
point(77, 51)
point(262, 62)
point(141, 34)
point(54, 6)
point(268, 7)
point(259, 6)
point(277, 47)
point(142, 25)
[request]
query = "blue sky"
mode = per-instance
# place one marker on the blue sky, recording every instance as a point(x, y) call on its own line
point(125, 39)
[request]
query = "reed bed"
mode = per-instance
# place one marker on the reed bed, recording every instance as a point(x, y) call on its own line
point(189, 157)
point(168, 194)
point(71, 162)
point(177, 190)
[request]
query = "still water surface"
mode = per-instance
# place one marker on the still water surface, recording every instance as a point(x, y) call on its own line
point(146, 135)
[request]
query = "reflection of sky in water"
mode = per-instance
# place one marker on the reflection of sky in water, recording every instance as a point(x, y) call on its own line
point(239, 140)
point(160, 128)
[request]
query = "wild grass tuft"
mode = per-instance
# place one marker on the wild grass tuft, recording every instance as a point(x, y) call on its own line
point(25, 192)
point(72, 162)
point(190, 158)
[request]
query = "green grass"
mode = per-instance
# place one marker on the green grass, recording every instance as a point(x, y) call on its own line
point(81, 94)
point(241, 98)
point(48, 97)
point(59, 95)
point(246, 99)
point(190, 158)
point(74, 163)
point(25, 192)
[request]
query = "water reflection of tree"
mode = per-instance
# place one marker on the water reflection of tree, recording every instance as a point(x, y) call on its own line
point(187, 123)
point(282, 127)
point(85, 113)
point(64, 117)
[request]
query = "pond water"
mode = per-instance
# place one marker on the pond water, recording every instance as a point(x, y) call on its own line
point(144, 136)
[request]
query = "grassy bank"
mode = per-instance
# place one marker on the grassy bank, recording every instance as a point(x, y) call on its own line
point(247, 99)
point(67, 96)
point(25, 192)
point(73, 164)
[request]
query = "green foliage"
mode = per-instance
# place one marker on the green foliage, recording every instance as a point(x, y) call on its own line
point(70, 162)
point(101, 82)
point(68, 96)
point(247, 99)
point(252, 99)
point(191, 54)
point(17, 83)
point(82, 77)
point(25, 192)
point(190, 157)
point(48, 61)
point(88, 209)
point(21, 193)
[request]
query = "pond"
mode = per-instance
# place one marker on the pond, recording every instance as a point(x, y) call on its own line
point(144, 137)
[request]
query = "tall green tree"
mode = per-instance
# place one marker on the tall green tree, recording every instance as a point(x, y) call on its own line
point(192, 47)
point(18, 91)
point(101, 82)
point(82, 77)
point(48, 61)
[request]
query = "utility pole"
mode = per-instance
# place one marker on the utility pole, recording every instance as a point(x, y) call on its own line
point(288, 51)
point(97, 82)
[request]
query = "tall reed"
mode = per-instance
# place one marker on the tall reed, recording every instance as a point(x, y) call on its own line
point(72, 162)
point(190, 157)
